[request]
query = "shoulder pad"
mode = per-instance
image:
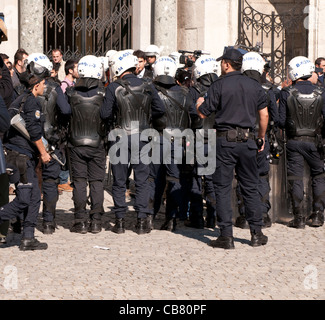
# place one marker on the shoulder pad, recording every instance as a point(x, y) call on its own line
point(319, 90)
point(101, 91)
point(70, 91)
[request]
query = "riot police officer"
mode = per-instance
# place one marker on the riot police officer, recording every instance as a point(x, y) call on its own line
point(236, 100)
point(54, 106)
point(86, 145)
point(23, 146)
point(253, 67)
point(130, 99)
point(301, 114)
point(180, 115)
point(205, 73)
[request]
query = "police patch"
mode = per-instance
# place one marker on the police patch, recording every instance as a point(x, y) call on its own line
point(37, 114)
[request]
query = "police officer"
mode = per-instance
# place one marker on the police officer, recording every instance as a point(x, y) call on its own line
point(130, 99)
point(205, 73)
point(152, 53)
point(54, 106)
point(253, 67)
point(301, 113)
point(86, 145)
point(236, 100)
point(180, 110)
point(23, 147)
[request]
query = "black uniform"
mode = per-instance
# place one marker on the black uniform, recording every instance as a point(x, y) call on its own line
point(87, 153)
point(22, 158)
point(126, 100)
point(180, 115)
point(301, 113)
point(54, 107)
point(236, 100)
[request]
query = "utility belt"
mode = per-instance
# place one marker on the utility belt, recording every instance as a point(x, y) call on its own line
point(237, 135)
point(18, 160)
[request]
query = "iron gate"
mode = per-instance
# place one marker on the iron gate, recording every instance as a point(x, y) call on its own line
point(276, 34)
point(82, 27)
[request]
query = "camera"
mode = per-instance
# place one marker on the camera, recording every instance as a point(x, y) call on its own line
point(185, 58)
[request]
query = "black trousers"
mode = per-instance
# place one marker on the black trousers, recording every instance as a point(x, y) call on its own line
point(88, 166)
point(241, 157)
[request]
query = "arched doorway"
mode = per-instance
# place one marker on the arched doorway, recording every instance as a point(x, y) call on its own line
point(82, 27)
point(280, 34)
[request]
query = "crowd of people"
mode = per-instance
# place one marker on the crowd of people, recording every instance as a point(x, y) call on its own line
point(61, 120)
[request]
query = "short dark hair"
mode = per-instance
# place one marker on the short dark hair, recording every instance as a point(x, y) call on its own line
point(319, 60)
point(3, 56)
point(236, 65)
point(69, 65)
point(57, 50)
point(19, 55)
point(139, 54)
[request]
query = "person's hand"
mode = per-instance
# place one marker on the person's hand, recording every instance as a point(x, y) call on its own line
point(45, 158)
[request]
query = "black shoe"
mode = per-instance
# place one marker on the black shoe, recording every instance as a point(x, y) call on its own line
point(197, 223)
point(80, 227)
point(48, 227)
point(267, 221)
point(150, 222)
point(95, 226)
point(211, 222)
point(32, 244)
point(3, 240)
point(258, 239)
point(141, 226)
point(317, 219)
point(119, 226)
point(241, 222)
point(297, 222)
point(169, 225)
point(223, 242)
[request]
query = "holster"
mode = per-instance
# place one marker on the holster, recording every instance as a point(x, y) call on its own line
point(19, 161)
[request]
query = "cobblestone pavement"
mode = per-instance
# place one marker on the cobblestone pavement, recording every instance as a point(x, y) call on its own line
point(163, 265)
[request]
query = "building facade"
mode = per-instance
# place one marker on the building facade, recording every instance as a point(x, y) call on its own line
point(283, 28)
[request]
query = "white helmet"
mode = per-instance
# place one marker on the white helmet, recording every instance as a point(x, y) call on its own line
point(300, 67)
point(104, 61)
point(41, 59)
point(253, 61)
point(204, 65)
point(121, 62)
point(110, 53)
point(164, 66)
point(152, 50)
point(176, 55)
point(90, 67)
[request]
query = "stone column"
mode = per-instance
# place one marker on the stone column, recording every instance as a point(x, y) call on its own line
point(165, 25)
point(31, 25)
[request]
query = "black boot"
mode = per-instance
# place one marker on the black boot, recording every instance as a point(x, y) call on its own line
point(317, 219)
point(258, 239)
point(150, 222)
point(95, 226)
point(267, 220)
point(48, 227)
point(211, 222)
point(32, 244)
point(241, 222)
point(223, 242)
point(142, 227)
point(196, 221)
point(80, 227)
point(169, 224)
point(299, 220)
point(119, 226)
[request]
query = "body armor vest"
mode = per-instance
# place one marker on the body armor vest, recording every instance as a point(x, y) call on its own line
point(177, 106)
point(134, 104)
point(86, 127)
point(304, 112)
point(207, 123)
point(49, 110)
